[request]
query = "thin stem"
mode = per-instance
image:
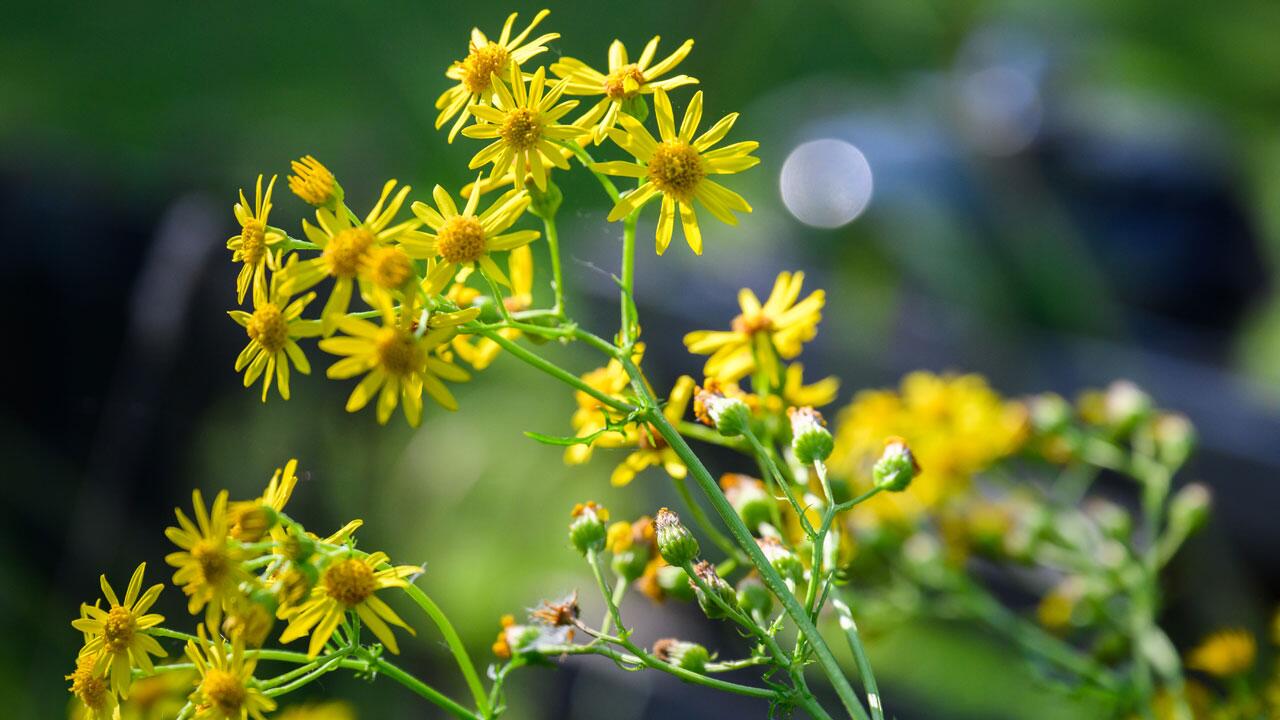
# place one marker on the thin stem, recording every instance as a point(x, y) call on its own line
point(443, 701)
point(701, 432)
point(614, 603)
point(627, 301)
point(557, 278)
point(555, 371)
point(648, 660)
point(455, 645)
point(860, 657)
point(768, 461)
point(322, 667)
point(498, 298)
point(704, 522)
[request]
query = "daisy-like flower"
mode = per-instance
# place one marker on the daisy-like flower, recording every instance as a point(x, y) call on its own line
point(227, 689)
point(677, 167)
point(117, 637)
point(592, 416)
point(96, 699)
point(345, 251)
point(349, 584)
point(522, 123)
point(273, 328)
point(251, 519)
point(485, 60)
point(779, 327)
point(480, 352)
point(253, 245)
point(314, 183)
point(650, 447)
point(467, 238)
point(398, 362)
point(624, 80)
point(208, 563)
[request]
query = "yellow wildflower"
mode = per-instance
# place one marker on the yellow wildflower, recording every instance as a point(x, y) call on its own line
point(329, 710)
point(523, 123)
point(208, 563)
point(97, 702)
point(592, 416)
point(227, 689)
point(273, 327)
point(480, 352)
point(796, 394)
point(467, 238)
point(956, 426)
point(651, 448)
point(253, 245)
point(345, 251)
point(761, 333)
point(484, 60)
point(251, 519)
point(677, 168)
point(314, 183)
point(349, 583)
point(398, 362)
point(1224, 653)
point(623, 81)
point(118, 639)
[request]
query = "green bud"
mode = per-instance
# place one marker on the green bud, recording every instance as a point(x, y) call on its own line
point(706, 572)
point(636, 107)
point(298, 547)
point(754, 597)
point(1189, 508)
point(781, 558)
point(897, 467)
point(1126, 405)
point(545, 203)
point(676, 544)
point(1050, 413)
point(1113, 520)
point(687, 655)
point(587, 531)
point(729, 415)
point(1175, 438)
point(810, 439)
point(748, 498)
point(674, 581)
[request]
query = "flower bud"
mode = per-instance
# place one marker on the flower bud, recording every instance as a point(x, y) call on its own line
point(1189, 508)
point(298, 547)
point(674, 582)
point(636, 106)
point(781, 558)
point(677, 545)
point(631, 545)
point(729, 415)
point(754, 597)
point(587, 531)
point(1175, 438)
point(897, 467)
point(251, 521)
point(314, 183)
point(810, 439)
point(715, 584)
point(748, 497)
point(1050, 413)
point(687, 655)
point(1113, 520)
point(1126, 405)
point(545, 203)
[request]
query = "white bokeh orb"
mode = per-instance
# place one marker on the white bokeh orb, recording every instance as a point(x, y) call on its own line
point(826, 183)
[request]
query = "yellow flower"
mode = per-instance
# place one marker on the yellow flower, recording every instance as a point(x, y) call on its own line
point(480, 352)
point(956, 426)
point(523, 125)
point(651, 448)
point(227, 689)
point(118, 638)
point(592, 416)
point(250, 519)
point(467, 238)
point(779, 327)
point(677, 168)
point(345, 251)
point(253, 245)
point(330, 710)
point(796, 394)
point(97, 702)
point(624, 80)
point(1224, 653)
point(208, 563)
point(349, 584)
point(314, 183)
point(485, 60)
point(398, 362)
point(273, 327)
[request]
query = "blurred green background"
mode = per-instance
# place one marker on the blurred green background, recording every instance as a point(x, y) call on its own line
point(1060, 193)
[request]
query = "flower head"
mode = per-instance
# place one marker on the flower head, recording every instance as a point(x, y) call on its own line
point(208, 563)
point(273, 328)
point(762, 332)
point(467, 238)
point(349, 584)
point(677, 167)
point(96, 698)
point(484, 60)
point(623, 81)
point(117, 638)
point(251, 519)
point(313, 182)
point(523, 125)
point(253, 244)
point(1224, 654)
point(227, 689)
point(651, 449)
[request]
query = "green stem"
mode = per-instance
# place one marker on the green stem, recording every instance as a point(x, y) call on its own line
point(555, 371)
point(767, 460)
point(557, 278)
point(435, 696)
point(704, 522)
point(860, 657)
point(627, 301)
point(701, 432)
point(300, 679)
point(455, 645)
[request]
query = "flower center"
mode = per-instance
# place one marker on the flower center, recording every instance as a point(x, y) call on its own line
point(349, 582)
point(87, 687)
point(752, 324)
point(223, 690)
point(480, 64)
point(398, 352)
point(268, 327)
point(624, 82)
point(676, 168)
point(313, 182)
point(118, 630)
point(212, 561)
point(347, 250)
point(253, 242)
point(390, 267)
point(461, 239)
point(522, 129)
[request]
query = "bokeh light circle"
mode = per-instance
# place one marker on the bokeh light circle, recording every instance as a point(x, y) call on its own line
point(826, 183)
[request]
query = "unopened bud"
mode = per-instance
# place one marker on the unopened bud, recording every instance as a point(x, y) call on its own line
point(810, 439)
point(748, 497)
point(251, 521)
point(1126, 405)
point(674, 581)
point(1113, 520)
point(1189, 508)
point(631, 545)
point(677, 545)
point(313, 182)
point(1050, 413)
point(782, 559)
point(754, 597)
point(729, 415)
point(897, 466)
point(637, 107)
point(1175, 438)
point(587, 531)
point(687, 655)
point(545, 203)
point(715, 585)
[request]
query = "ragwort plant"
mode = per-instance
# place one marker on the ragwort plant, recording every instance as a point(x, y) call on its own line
point(887, 517)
